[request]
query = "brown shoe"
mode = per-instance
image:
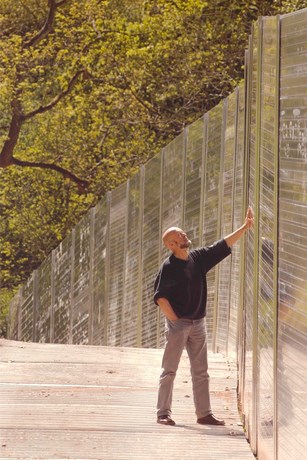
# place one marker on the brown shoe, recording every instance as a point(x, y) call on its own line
point(210, 420)
point(165, 420)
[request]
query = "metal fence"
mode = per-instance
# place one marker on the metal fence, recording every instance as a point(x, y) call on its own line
point(97, 285)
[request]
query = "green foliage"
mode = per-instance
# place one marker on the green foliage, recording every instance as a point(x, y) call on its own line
point(149, 68)
point(6, 296)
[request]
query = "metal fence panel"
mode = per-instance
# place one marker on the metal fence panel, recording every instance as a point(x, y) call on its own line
point(211, 224)
point(62, 291)
point(251, 274)
point(173, 185)
point(81, 282)
point(151, 251)
point(172, 196)
point(14, 316)
point(131, 310)
point(226, 199)
point(99, 272)
point(118, 212)
point(267, 238)
point(194, 178)
point(43, 306)
point(292, 345)
point(235, 307)
point(27, 310)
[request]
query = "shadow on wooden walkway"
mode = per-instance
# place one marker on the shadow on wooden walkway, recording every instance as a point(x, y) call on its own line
point(85, 402)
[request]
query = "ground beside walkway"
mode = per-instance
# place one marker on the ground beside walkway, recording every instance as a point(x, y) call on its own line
point(85, 402)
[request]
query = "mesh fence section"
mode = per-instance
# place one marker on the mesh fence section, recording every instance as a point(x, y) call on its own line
point(43, 311)
point(81, 282)
point(132, 292)
point(227, 198)
point(99, 284)
point(150, 250)
point(211, 214)
point(117, 238)
point(61, 296)
point(194, 179)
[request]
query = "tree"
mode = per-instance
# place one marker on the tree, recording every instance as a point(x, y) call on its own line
point(32, 49)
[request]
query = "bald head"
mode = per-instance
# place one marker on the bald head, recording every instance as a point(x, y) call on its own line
point(175, 239)
point(169, 234)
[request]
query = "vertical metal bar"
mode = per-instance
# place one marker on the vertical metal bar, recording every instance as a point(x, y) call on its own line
point(52, 300)
point(183, 182)
point(159, 314)
point(35, 305)
point(203, 179)
point(246, 168)
point(123, 300)
point(107, 269)
point(276, 230)
point(72, 280)
point(140, 259)
point(254, 440)
point(19, 333)
point(233, 193)
point(91, 276)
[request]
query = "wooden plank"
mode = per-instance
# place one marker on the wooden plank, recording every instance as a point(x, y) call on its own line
point(81, 402)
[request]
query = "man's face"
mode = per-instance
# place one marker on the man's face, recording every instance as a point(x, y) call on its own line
point(180, 239)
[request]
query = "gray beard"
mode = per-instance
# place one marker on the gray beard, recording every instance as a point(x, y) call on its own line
point(185, 245)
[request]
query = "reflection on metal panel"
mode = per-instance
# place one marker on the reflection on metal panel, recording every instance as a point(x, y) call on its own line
point(292, 305)
point(267, 239)
point(249, 387)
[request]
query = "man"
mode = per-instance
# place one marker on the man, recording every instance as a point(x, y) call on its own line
point(181, 293)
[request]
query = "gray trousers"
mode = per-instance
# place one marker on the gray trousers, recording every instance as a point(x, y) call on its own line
point(192, 335)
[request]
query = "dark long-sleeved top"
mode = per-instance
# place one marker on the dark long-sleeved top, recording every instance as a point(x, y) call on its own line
point(183, 282)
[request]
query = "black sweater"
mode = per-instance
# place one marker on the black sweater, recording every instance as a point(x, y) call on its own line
point(183, 282)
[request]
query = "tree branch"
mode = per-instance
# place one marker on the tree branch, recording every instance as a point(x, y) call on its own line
point(81, 183)
point(47, 27)
point(57, 99)
point(13, 135)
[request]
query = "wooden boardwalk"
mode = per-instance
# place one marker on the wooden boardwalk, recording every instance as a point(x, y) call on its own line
point(85, 402)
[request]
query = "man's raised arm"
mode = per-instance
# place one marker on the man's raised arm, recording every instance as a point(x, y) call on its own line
point(236, 235)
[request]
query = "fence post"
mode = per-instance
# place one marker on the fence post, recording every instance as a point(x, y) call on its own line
point(276, 230)
point(91, 276)
point(107, 269)
point(140, 259)
point(72, 280)
point(52, 300)
point(35, 305)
